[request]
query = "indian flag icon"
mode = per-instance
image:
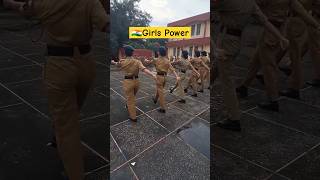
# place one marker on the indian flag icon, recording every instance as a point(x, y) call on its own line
point(136, 33)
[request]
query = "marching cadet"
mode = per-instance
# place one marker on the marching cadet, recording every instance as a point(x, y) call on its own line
point(183, 65)
point(308, 39)
point(234, 16)
point(70, 67)
point(131, 67)
point(201, 66)
point(297, 32)
point(197, 63)
point(204, 73)
point(162, 65)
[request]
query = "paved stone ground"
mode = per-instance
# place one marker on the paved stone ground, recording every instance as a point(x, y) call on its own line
point(175, 145)
point(25, 124)
point(273, 146)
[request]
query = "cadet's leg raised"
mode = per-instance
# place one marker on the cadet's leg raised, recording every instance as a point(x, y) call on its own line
point(298, 36)
point(180, 89)
point(61, 76)
point(268, 51)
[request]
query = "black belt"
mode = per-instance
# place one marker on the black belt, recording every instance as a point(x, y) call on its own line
point(131, 77)
point(277, 24)
point(161, 73)
point(183, 71)
point(67, 51)
point(233, 32)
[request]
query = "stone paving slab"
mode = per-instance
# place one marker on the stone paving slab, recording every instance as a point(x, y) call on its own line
point(174, 145)
point(172, 159)
point(272, 145)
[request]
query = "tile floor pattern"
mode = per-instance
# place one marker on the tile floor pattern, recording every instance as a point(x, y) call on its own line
point(175, 145)
point(25, 124)
point(284, 145)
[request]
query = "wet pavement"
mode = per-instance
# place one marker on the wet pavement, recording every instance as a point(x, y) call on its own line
point(284, 145)
point(25, 122)
point(174, 145)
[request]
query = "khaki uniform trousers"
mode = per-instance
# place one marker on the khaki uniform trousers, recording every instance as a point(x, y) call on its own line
point(180, 88)
point(130, 88)
point(303, 37)
point(161, 81)
point(204, 77)
point(268, 50)
point(297, 34)
point(254, 65)
point(231, 46)
point(193, 82)
point(68, 80)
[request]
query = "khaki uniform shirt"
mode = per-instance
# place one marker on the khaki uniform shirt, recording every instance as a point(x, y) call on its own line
point(69, 22)
point(197, 63)
point(206, 60)
point(162, 64)
point(131, 66)
point(182, 64)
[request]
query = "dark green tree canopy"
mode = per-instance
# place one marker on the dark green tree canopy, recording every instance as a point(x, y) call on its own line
point(126, 13)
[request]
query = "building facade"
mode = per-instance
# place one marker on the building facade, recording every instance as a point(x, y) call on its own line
point(200, 36)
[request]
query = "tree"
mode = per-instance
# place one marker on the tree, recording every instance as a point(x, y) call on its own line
point(125, 13)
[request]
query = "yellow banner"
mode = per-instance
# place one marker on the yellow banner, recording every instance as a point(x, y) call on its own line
point(159, 32)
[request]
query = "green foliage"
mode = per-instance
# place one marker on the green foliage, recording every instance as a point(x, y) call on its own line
point(125, 13)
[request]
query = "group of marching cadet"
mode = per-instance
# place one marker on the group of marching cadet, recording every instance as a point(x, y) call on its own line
point(291, 26)
point(189, 72)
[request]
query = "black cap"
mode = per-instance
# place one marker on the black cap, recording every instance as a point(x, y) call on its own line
point(128, 50)
point(197, 53)
point(185, 54)
point(204, 53)
point(162, 51)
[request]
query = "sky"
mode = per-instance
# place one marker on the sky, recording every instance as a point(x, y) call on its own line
point(166, 11)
